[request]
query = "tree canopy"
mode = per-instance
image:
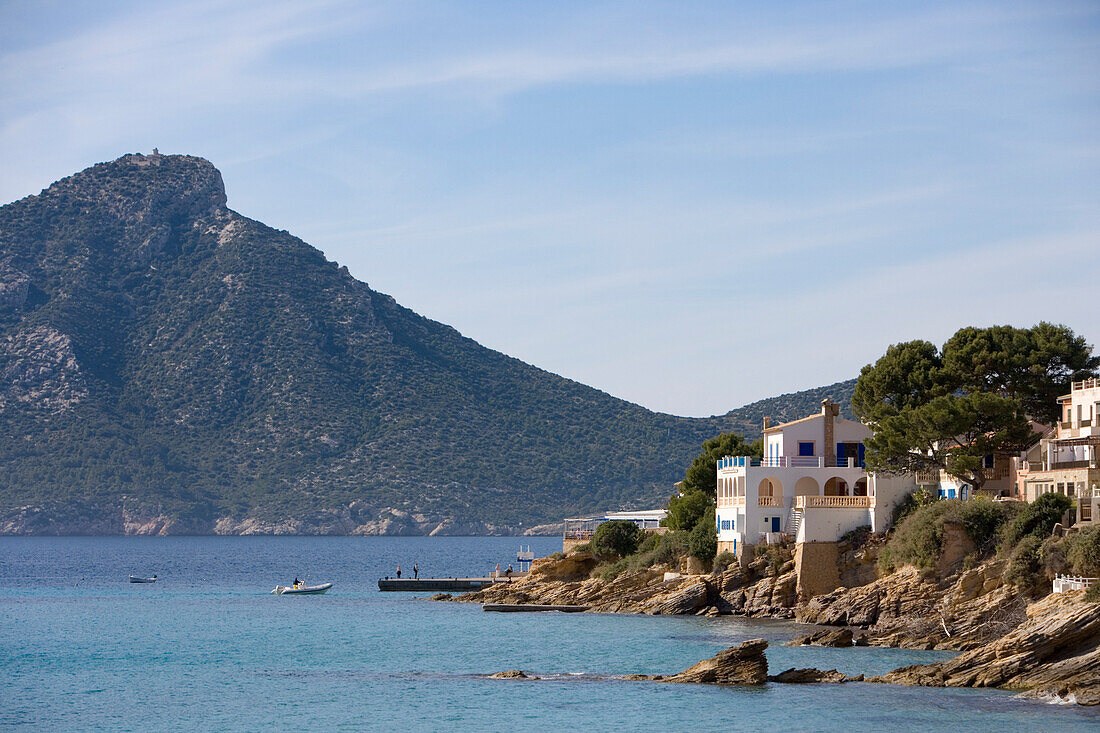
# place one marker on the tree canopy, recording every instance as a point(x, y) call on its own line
point(700, 484)
point(617, 537)
point(951, 409)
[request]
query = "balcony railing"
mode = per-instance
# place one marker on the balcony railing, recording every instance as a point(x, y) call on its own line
point(928, 477)
point(731, 501)
point(767, 501)
point(1091, 463)
point(833, 502)
point(789, 462)
point(1085, 384)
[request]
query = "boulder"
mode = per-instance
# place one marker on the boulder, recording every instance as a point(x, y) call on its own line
point(440, 597)
point(576, 566)
point(511, 674)
point(739, 665)
point(687, 597)
point(805, 676)
point(839, 638)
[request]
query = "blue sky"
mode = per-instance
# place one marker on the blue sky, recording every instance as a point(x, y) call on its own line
point(687, 205)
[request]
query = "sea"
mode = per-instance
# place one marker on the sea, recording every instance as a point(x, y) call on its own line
point(209, 648)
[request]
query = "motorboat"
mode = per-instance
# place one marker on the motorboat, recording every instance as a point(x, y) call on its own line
point(139, 579)
point(301, 589)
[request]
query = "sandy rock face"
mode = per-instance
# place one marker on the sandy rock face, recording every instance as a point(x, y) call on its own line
point(1056, 652)
point(739, 665)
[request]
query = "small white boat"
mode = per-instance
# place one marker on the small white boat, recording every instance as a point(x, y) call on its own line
point(301, 589)
point(138, 579)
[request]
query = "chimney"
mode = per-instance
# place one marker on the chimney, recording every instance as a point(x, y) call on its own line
point(830, 411)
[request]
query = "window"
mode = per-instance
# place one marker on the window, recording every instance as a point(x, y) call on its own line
point(725, 524)
point(805, 447)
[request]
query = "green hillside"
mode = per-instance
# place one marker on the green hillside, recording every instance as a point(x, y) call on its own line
point(167, 365)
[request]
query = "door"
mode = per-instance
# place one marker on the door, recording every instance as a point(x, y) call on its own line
point(775, 524)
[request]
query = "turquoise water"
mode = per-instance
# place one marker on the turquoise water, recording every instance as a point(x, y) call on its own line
point(209, 648)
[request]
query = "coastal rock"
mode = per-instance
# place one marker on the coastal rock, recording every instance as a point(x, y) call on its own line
point(440, 597)
point(511, 674)
point(685, 598)
point(575, 566)
point(838, 638)
point(807, 676)
point(739, 665)
point(1055, 652)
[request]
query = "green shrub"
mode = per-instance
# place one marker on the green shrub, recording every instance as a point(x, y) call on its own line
point(1082, 550)
point(1037, 518)
point(613, 570)
point(857, 537)
point(1024, 564)
point(649, 543)
point(686, 510)
point(703, 540)
point(918, 540)
point(722, 561)
point(671, 548)
point(921, 497)
point(617, 537)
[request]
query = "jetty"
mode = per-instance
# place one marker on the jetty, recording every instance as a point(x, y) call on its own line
point(529, 608)
point(440, 584)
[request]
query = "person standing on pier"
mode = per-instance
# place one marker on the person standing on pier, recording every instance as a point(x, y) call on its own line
point(416, 571)
point(399, 572)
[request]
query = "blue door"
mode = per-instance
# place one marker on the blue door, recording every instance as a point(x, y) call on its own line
point(775, 524)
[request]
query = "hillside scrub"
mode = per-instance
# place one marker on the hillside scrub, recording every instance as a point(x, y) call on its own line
point(664, 549)
point(918, 540)
point(1037, 518)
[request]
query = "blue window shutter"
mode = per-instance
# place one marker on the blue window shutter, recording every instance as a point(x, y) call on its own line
point(840, 451)
point(861, 455)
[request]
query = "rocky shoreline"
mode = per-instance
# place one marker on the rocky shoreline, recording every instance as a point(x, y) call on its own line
point(353, 520)
point(1048, 648)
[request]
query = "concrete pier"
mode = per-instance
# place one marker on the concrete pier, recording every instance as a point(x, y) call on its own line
point(529, 608)
point(439, 584)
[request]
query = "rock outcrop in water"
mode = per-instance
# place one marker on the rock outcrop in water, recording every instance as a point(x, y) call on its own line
point(744, 664)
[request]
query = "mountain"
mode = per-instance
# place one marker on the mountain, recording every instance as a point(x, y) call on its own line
point(170, 366)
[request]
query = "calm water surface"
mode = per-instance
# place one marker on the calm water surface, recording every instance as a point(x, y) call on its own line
point(209, 648)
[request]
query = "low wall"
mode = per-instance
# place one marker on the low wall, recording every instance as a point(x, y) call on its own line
point(829, 524)
point(816, 567)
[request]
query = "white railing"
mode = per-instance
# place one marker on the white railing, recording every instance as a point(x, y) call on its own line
point(788, 462)
point(731, 501)
point(767, 501)
point(1085, 384)
point(833, 502)
point(1062, 583)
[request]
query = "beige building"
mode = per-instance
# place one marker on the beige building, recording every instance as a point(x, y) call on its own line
point(1066, 461)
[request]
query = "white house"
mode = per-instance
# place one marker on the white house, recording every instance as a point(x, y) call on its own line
point(811, 485)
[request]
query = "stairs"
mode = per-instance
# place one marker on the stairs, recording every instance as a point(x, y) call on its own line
point(794, 521)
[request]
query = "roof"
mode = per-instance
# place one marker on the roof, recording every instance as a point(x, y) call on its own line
point(629, 516)
point(775, 428)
